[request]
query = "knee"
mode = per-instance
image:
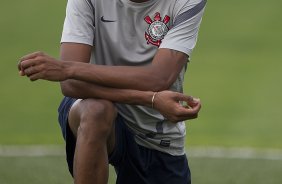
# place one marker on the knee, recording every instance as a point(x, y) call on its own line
point(97, 117)
point(99, 110)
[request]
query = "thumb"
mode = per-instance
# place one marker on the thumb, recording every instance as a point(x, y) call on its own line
point(194, 102)
point(190, 100)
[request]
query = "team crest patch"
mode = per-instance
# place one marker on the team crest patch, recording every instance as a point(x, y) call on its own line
point(157, 29)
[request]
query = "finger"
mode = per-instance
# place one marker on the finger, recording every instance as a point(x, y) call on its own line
point(32, 55)
point(191, 101)
point(28, 63)
point(32, 70)
point(194, 102)
point(182, 97)
point(190, 116)
point(183, 118)
point(21, 73)
point(196, 108)
point(35, 77)
point(188, 113)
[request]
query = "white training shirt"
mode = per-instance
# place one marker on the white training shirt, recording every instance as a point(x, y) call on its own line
point(126, 33)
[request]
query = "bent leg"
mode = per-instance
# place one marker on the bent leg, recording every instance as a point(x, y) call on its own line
point(91, 122)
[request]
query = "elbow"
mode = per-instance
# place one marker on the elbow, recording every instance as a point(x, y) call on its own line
point(160, 84)
point(66, 89)
point(160, 81)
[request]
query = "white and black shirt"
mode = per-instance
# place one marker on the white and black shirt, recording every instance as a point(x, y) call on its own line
point(126, 33)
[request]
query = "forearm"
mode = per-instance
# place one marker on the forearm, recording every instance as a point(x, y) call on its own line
point(157, 76)
point(125, 77)
point(83, 90)
point(166, 102)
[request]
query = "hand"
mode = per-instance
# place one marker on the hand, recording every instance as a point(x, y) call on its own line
point(41, 66)
point(168, 104)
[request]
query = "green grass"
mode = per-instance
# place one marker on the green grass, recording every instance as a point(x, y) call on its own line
point(26, 170)
point(28, 110)
point(43, 170)
point(235, 171)
point(46, 170)
point(235, 70)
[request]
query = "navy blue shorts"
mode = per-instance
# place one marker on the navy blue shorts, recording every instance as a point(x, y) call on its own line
point(134, 164)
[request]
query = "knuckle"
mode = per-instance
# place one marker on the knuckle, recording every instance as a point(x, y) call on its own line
point(40, 57)
point(42, 66)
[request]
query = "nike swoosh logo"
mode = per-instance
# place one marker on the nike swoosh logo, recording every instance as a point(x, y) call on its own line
point(104, 20)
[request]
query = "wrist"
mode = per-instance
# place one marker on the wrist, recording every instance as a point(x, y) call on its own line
point(145, 98)
point(153, 99)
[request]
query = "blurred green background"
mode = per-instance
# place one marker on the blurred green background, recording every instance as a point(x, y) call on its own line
point(236, 70)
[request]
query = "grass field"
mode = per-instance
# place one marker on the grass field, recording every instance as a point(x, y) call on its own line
point(235, 70)
point(46, 170)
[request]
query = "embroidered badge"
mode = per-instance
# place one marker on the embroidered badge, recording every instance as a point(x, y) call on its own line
point(157, 29)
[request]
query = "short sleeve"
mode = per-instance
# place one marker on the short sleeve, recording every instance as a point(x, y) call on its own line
point(183, 34)
point(79, 25)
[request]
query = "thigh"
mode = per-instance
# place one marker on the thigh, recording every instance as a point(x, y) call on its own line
point(98, 115)
point(81, 110)
point(70, 114)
